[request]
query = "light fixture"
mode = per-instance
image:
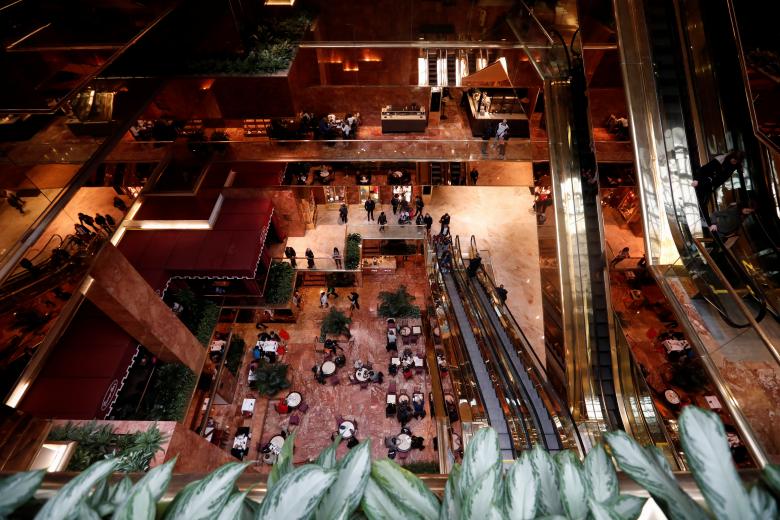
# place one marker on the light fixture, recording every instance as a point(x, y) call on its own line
point(54, 456)
point(288, 3)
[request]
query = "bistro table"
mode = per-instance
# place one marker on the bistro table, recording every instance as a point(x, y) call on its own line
point(418, 361)
point(362, 374)
point(675, 345)
point(294, 400)
point(405, 331)
point(248, 407)
point(404, 442)
point(416, 330)
point(672, 397)
point(268, 346)
point(395, 361)
point(347, 429)
point(275, 444)
point(328, 368)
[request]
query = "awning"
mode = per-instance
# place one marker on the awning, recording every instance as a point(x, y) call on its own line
point(494, 75)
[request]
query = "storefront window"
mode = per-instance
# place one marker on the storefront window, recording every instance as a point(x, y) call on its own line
point(335, 194)
point(404, 191)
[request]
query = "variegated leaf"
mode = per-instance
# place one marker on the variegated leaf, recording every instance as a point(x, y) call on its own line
point(234, 506)
point(100, 495)
point(156, 480)
point(208, 496)
point(600, 475)
point(481, 455)
point(626, 507)
point(771, 477)
point(327, 457)
point(85, 512)
point(67, 501)
point(763, 503)
point(571, 485)
point(297, 493)
point(140, 505)
point(482, 498)
point(378, 505)
point(121, 491)
point(707, 451)
point(283, 464)
point(549, 502)
point(642, 467)
point(657, 455)
point(520, 489)
point(405, 487)
point(18, 489)
point(350, 483)
point(451, 506)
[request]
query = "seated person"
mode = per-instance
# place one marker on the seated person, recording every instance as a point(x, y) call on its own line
point(390, 410)
point(392, 369)
point(417, 443)
point(264, 336)
point(419, 408)
point(256, 352)
point(377, 377)
point(391, 345)
point(340, 360)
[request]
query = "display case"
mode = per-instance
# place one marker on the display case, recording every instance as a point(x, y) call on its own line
point(404, 119)
point(488, 107)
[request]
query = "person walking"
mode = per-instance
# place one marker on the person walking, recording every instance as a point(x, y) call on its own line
point(370, 205)
point(297, 299)
point(501, 132)
point(120, 204)
point(309, 258)
point(15, 201)
point(445, 223)
point(290, 254)
point(428, 221)
point(343, 212)
point(473, 267)
point(324, 300)
point(87, 220)
point(100, 220)
point(727, 222)
point(714, 174)
point(337, 257)
point(395, 202)
point(110, 220)
point(474, 174)
point(418, 204)
point(382, 221)
point(622, 255)
point(354, 301)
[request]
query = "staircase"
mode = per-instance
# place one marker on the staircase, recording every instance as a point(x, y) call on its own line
point(314, 278)
point(433, 76)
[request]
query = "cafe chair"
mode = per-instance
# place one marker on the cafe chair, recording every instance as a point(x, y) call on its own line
point(391, 388)
point(403, 455)
point(364, 385)
point(334, 380)
point(303, 407)
point(408, 374)
point(295, 420)
point(281, 407)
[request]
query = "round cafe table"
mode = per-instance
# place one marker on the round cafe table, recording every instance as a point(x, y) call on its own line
point(405, 331)
point(672, 397)
point(328, 368)
point(362, 374)
point(294, 400)
point(404, 442)
point(276, 443)
point(347, 430)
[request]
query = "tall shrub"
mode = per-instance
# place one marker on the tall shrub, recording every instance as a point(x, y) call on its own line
point(279, 287)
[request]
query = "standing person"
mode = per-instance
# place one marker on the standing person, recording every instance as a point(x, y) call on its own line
point(418, 204)
point(14, 201)
point(382, 221)
point(501, 132)
point(290, 253)
point(354, 300)
point(343, 211)
point(727, 222)
point(31, 268)
point(445, 222)
point(501, 293)
point(428, 221)
point(370, 205)
point(309, 258)
point(622, 255)
point(487, 133)
point(100, 220)
point(324, 300)
point(712, 175)
point(87, 220)
point(474, 174)
point(337, 257)
point(474, 264)
point(120, 204)
point(332, 292)
point(110, 220)
point(395, 202)
point(82, 230)
point(419, 220)
point(297, 299)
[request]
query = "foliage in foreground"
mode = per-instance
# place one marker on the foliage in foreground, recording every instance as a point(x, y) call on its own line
point(98, 442)
point(537, 485)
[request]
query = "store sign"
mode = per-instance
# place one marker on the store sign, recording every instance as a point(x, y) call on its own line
point(110, 394)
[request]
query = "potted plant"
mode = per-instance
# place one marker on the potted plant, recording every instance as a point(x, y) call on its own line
point(352, 252)
point(335, 322)
point(271, 377)
point(280, 283)
point(397, 304)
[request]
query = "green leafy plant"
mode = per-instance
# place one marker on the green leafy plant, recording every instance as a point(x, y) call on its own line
point(97, 442)
point(207, 323)
point(397, 304)
point(235, 354)
point(335, 322)
point(200, 315)
point(352, 251)
point(279, 287)
point(271, 377)
point(169, 394)
point(536, 485)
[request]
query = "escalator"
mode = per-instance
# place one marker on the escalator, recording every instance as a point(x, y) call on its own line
point(551, 418)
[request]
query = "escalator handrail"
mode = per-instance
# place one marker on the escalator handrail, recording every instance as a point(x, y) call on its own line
point(538, 372)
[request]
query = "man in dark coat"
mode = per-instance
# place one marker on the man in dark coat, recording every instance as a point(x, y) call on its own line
point(370, 205)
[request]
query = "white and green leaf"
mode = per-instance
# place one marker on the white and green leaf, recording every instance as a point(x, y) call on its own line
point(600, 475)
point(451, 506)
point(572, 485)
point(327, 457)
point(234, 506)
point(378, 505)
point(206, 498)
point(284, 462)
point(140, 505)
point(763, 503)
point(120, 492)
point(643, 468)
point(707, 451)
point(771, 477)
point(481, 499)
point(297, 494)
point(350, 483)
point(67, 501)
point(520, 489)
point(405, 487)
point(481, 455)
point(156, 480)
point(548, 502)
point(18, 489)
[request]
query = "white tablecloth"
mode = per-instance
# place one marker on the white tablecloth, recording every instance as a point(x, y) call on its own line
point(404, 442)
point(347, 429)
point(675, 345)
point(248, 405)
point(268, 346)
